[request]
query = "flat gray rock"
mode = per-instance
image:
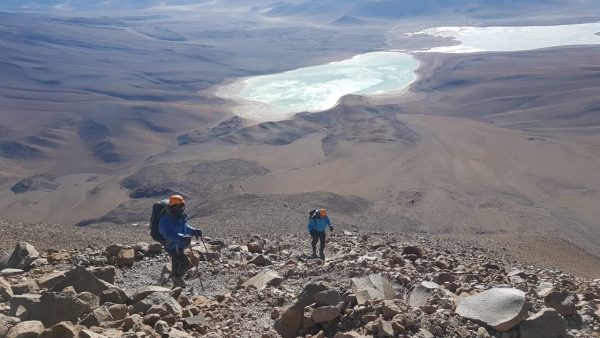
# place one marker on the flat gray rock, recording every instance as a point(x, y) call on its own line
point(262, 279)
point(11, 272)
point(325, 313)
point(499, 308)
point(372, 287)
point(145, 291)
point(419, 296)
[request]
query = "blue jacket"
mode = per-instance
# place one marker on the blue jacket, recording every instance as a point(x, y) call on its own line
point(319, 224)
point(173, 230)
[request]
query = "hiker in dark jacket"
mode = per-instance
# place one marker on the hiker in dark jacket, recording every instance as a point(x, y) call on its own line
point(178, 234)
point(317, 224)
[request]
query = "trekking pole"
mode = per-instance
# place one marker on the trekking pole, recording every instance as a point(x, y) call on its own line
point(202, 239)
point(197, 259)
point(205, 248)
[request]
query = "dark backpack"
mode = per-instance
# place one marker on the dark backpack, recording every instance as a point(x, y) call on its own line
point(158, 209)
point(313, 214)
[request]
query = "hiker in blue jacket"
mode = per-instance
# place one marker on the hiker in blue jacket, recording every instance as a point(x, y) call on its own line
point(178, 234)
point(317, 224)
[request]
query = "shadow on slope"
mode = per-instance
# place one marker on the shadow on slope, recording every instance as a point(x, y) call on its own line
point(353, 120)
point(214, 196)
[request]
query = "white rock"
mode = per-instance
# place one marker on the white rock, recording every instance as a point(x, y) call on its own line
point(500, 308)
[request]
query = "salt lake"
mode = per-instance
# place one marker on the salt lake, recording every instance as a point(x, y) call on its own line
point(276, 97)
point(508, 39)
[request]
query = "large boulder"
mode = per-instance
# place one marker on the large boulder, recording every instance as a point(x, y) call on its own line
point(547, 323)
point(158, 302)
point(55, 307)
point(82, 280)
point(115, 295)
point(30, 328)
point(23, 255)
point(263, 279)
point(105, 273)
point(96, 317)
point(20, 304)
point(499, 308)
point(372, 287)
point(290, 321)
point(48, 280)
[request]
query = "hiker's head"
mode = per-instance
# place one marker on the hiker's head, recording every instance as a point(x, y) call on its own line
point(177, 205)
point(322, 212)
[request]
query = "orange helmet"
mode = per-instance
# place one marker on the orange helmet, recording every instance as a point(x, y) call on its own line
point(176, 199)
point(322, 212)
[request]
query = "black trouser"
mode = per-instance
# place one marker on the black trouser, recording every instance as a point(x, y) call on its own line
point(180, 263)
point(318, 236)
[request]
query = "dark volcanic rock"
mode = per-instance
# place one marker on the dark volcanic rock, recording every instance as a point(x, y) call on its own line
point(224, 128)
point(35, 183)
point(199, 178)
point(290, 320)
point(19, 151)
point(22, 256)
point(105, 150)
point(55, 307)
point(82, 280)
point(96, 137)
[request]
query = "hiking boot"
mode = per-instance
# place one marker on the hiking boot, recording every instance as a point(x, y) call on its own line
point(322, 256)
point(179, 282)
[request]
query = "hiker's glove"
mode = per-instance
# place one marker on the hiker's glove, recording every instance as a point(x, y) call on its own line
point(331, 228)
point(198, 233)
point(187, 240)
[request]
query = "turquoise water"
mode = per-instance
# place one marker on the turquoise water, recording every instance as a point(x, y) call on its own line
point(279, 96)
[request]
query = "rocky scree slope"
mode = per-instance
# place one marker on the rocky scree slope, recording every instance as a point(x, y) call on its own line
point(371, 285)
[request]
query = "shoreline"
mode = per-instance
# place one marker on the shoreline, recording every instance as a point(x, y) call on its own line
point(258, 112)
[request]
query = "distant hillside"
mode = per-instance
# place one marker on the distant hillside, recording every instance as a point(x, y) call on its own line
point(329, 8)
point(401, 9)
point(347, 20)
